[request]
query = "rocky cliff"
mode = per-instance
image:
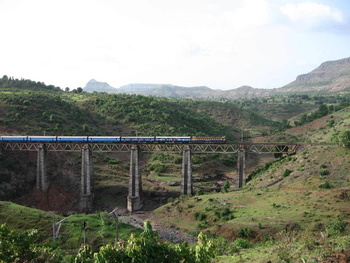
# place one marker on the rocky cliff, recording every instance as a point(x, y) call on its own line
point(330, 76)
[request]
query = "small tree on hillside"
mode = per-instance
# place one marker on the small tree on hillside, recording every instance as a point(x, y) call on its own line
point(344, 139)
point(225, 187)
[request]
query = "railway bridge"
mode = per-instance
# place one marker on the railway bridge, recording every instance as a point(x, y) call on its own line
point(134, 198)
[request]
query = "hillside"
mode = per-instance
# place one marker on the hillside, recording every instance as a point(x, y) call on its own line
point(330, 76)
point(41, 110)
point(280, 213)
point(286, 203)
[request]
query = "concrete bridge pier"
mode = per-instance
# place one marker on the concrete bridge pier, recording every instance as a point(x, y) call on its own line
point(186, 179)
point(134, 199)
point(42, 181)
point(241, 166)
point(86, 195)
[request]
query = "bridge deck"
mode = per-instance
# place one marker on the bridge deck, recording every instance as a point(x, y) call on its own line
point(195, 148)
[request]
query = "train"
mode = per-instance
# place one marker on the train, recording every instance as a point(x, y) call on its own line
point(116, 139)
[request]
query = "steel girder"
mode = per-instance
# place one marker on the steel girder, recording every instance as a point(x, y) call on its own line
point(286, 148)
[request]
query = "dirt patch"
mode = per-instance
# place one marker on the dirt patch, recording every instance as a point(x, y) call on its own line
point(316, 124)
point(55, 199)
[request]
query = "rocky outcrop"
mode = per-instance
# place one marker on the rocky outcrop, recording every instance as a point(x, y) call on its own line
point(97, 86)
point(330, 76)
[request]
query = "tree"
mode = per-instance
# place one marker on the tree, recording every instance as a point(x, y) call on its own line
point(225, 187)
point(16, 246)
point(344, 139)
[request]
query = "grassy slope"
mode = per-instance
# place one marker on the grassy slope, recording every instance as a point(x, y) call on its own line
point(255, 203)
point(100, 226)
point(317, 131)
point(272, 202)
point(295, 201)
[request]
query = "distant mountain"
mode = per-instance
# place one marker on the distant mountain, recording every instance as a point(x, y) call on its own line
point(168, 90)
point(97, 86)
point(331, 76)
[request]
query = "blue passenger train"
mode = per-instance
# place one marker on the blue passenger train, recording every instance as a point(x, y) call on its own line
point(115, 139)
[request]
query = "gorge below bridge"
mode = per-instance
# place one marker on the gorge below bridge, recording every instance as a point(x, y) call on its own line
point(134, 198)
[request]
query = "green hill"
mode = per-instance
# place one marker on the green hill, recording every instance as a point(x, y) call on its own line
point(277, 216)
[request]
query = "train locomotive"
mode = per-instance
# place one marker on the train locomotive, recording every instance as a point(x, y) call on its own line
point(116, 139)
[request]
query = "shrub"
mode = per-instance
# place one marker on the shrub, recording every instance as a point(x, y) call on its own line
point(200, 216)
point(330, 123)
point(324, 172)
point(225, 187)
point(286, 173)
point(337, 226)
point(224, 214)
point(344, 139)
point(158, 168)
point(244, 232)
point(242, 243)
point(325, 185)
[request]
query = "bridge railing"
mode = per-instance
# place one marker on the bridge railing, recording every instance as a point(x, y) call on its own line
point(259, 148)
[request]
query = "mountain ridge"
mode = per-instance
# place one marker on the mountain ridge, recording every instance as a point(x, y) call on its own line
point(330, 76)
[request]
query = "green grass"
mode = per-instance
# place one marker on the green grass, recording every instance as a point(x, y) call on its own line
point(295, 199)
point(100, 227)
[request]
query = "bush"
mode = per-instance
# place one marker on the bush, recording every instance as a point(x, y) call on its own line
point(337, 226)
point(200, 216)
point(224, 214)
point(244, 232)
point(16, 246)
point(158, 168)
point(286, 173)
point(225, 187)
point(325, 185)
point(344, 139)
point(242, 243)
point(324, 172)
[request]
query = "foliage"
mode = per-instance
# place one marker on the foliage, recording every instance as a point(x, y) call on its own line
point(270, 165)
point(224, 214)
point(11, 83)
point(242, 243)
point(200, 216)
point(344, 139)
point(17, 246)
point(286, 172)
point(338, 226)
point(324, 172)
point(244, 232)
point(323, 110)
point(325, 185)
point(22, 247)
point(225, 187)
point(85, 255)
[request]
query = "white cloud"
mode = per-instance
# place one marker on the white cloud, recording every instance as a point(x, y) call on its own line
point(312, 14)
point(220, 44)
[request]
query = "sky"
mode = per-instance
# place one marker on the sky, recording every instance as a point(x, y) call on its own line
point(221, 44)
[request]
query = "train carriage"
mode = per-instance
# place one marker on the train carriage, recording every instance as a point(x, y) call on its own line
point(14, 138)
point(104, 139)
point(72, 138)
point(172, 139)
point(133, 139)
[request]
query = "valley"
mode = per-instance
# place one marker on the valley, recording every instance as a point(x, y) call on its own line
point(291, 207)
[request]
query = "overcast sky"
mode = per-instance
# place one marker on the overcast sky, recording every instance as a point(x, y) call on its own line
point(221, 44)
